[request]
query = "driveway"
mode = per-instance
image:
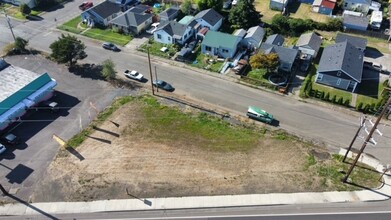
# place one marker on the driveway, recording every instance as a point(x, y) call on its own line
point(24, 165)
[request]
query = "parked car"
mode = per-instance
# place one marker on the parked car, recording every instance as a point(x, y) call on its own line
point(259, 114)
point(227, 4)
point(163, 85)
point(153, 28)
point(305, 66)
point(134, 75)
point(2, 148)
point(10, 139)
point(50, 105)
point(85, 5)
point(110, 46)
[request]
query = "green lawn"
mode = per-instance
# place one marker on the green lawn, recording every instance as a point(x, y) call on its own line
point(262, 6)
point(154, 49)
point(95, 33)
point(202, 62)
point(259, 74)
point(304, 11)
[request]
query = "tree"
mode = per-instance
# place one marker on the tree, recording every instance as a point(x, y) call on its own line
point(108, 71)
point(280, 24)
point(25, 9)
point(21, 43)
point(244, 15)
point(68, 49)
point(267, 61)
point(206, 4)
point(186, 7)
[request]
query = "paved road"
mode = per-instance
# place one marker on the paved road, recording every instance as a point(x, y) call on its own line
point(375, 210)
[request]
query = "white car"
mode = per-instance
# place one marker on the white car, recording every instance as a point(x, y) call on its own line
point(2, 148)
point(134, 75)
point(153, 28)
point(235, 2)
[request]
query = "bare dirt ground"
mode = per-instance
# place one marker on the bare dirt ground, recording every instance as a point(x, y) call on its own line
point(124, 162)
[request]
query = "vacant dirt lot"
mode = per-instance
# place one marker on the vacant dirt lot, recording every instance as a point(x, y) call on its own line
point(136, 158)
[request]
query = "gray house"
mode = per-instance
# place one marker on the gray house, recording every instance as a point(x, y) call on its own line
point(101, 13)
point(359, 42)
point(309, 44)
point(169, 14)
point(173, 33)
point(287, 56)
point(209, 18)
point(30, 3)
point(355, 22)
point(220, 44)
point(254, 37)
point(341, 66)
point(132, 23)
point(275, 39)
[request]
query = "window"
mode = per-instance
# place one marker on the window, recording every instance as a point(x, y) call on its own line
point(225, 51)
point(169, 38)
point(338, 82)
point(320, 77)
point(159, 36)
point(207, 48)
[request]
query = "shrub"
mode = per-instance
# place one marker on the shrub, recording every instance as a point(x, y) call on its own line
point(340, 100)
point(366, 108)
point(321, 95)
point(327, 97)
point(347, 103)
point(309, 88)
point(359, 106)
point(334, 99)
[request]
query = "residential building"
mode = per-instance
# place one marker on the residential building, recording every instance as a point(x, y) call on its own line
point(209, 18)
point(220, 44)
point(357, 5)
point(275, 39)
point(102, 13)
point(186, 20)
point(286, 56)
point(278, 5)
point(21, 89)
point(310, 2)
point(169, 14)
point(132, 23)
point(355, 22)
point(173, 33)
point(240, 33)
point(341, 66)
point(254, 37)
point(309, 44)
point(324, 6)
point(30, 3)
point(359, 42)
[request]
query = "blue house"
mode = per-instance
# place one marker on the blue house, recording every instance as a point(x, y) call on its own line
point(307, 1)
point(324, 6)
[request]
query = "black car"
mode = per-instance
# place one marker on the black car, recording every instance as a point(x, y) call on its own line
point(227, 4)
point(110, 46)
point(10, 139)
point(163, 85)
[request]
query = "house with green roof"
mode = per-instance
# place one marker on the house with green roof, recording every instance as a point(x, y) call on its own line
point(220, 44)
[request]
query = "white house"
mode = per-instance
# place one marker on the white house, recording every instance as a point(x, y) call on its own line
point(209, 18)
point(357, 5)
point(173, 33)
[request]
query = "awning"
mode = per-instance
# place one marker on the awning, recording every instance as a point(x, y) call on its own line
point(42, 92)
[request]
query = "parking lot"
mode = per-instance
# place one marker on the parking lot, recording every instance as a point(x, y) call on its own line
point(22, 166)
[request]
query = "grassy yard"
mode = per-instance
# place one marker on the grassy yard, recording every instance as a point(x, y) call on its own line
point(95, 33)
point(203, 63)
point(303, 11)
point(262, 6)
point(154, 49)
point(14, 11)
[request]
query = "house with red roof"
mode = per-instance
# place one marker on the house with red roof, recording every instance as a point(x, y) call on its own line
point(324, 6)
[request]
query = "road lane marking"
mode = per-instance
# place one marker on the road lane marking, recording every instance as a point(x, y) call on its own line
point(47, 33)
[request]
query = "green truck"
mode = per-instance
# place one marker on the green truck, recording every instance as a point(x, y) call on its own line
point(259, 114)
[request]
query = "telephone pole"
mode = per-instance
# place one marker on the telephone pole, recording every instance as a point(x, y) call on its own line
point(9, 25)
point(157, 88)
point(150, 71)
point(362, 122)
point(367, 139)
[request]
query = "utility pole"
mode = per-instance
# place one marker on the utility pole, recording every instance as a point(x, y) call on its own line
point(150, 71)
point(157, 88)
point(368, 139)
point(362, 122)
point(9, 25)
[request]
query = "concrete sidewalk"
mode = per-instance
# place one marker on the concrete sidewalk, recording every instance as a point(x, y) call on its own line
point(383, 193)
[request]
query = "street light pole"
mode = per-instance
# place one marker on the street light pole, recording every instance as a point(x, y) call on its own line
point(9, 25)
point(157, 88)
